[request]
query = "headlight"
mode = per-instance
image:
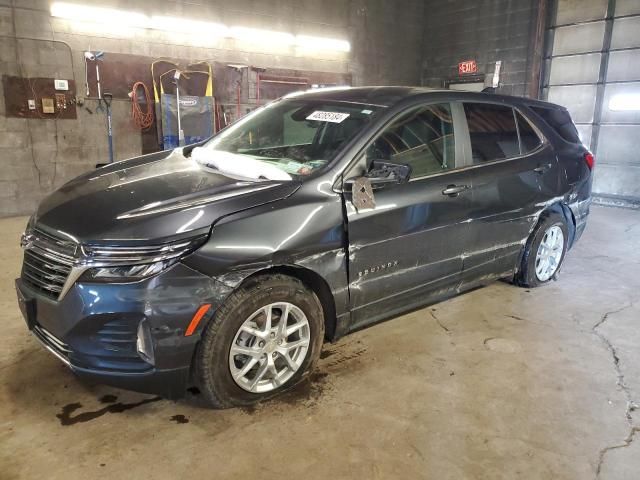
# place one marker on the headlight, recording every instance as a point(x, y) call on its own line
point(130, 273)
point(130, 264)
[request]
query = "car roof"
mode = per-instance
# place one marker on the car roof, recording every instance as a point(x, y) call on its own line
point(388, 96)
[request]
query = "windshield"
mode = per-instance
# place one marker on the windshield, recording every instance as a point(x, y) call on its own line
point(286, 139)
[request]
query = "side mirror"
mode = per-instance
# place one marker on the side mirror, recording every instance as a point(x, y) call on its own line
point(383, 174)
point(375, 182)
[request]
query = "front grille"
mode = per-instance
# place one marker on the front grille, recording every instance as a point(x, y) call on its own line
point(48, 260)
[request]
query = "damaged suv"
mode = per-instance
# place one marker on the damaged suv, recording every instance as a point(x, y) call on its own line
point(227, 264)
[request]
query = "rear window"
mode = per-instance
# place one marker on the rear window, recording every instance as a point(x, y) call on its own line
point(493, 132)
point(529, 139)
point(560, 121)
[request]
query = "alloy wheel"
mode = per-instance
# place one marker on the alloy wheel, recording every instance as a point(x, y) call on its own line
point(549, 253)
point(269, 347)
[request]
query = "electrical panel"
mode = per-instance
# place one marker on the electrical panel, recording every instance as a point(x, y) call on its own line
point(38, 97)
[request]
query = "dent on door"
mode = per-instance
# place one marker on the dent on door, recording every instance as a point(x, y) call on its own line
point(508, 198)
point(410, 244)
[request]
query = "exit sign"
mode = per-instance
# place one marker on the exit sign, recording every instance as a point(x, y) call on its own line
point(467, 67)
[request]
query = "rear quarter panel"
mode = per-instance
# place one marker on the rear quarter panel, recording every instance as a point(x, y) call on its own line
point(575, 177)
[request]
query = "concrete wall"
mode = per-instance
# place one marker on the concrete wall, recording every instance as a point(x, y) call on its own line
point(485, 30)
point(37, 156)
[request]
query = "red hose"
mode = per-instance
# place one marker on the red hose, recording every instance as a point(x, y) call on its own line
point(143, 120)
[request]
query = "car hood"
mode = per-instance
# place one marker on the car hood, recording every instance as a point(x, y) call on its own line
point(158, 196)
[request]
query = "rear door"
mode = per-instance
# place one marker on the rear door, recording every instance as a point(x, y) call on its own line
point(410, 244)
point(513, 173)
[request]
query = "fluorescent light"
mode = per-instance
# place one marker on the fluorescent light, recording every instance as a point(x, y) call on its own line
point(99, 15)
point(625, 102)
point(320, 43)
point(119, 20)
point(175, 24)
point(255, 35)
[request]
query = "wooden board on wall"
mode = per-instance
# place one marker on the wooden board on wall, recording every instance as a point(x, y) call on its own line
point(118, 74)
point(237, 90)
point(276, 82)
point(19, 90)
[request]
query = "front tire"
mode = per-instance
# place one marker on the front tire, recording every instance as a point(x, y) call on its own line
point(544, 252)
point(262, 340)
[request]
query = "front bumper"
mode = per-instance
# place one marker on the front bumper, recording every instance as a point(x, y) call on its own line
point(93, 329)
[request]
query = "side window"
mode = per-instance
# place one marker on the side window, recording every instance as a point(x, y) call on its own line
point(529, 139)
point(493, 132)
point(423, 138)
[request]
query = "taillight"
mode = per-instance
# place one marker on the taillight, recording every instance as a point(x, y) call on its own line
point(590, 160)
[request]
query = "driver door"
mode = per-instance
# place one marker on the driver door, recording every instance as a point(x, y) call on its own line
point(410, 245)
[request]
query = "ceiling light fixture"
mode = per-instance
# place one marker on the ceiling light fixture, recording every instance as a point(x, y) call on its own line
point(123, 18)
point(174, 24)
point(99, 15)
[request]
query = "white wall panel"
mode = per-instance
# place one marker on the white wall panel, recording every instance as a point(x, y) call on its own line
point(617, 129)
point(622, 96)
point(619, 145)
point(574, 11)
point(627, 7)
point(624, 65)
point(580, 100)
point(626, 33)
point(617, 180)
point(578, 38)
point(575, 69)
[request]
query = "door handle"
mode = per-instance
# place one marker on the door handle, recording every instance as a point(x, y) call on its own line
point(455, 190)
point(542, 168)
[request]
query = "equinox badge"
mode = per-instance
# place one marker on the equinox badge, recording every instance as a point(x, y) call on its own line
point(378, 268)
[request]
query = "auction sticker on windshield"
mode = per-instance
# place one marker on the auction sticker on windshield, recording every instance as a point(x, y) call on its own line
point(333, 117)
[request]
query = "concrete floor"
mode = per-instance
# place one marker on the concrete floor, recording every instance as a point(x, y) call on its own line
point(500, 383)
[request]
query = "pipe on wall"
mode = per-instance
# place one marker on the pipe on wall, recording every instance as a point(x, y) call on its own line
point(536, 49)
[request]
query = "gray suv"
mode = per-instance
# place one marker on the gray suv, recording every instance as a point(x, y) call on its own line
point(228, 263)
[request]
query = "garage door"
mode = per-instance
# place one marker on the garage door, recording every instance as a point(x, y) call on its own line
point(593, 68)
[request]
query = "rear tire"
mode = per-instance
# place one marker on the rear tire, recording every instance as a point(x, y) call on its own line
point(250, 321)
point(544, 252)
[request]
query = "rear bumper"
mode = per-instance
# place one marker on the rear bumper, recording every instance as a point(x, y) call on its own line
point(93, 329)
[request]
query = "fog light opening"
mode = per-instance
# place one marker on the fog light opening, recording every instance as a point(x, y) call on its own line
point(144, 343)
